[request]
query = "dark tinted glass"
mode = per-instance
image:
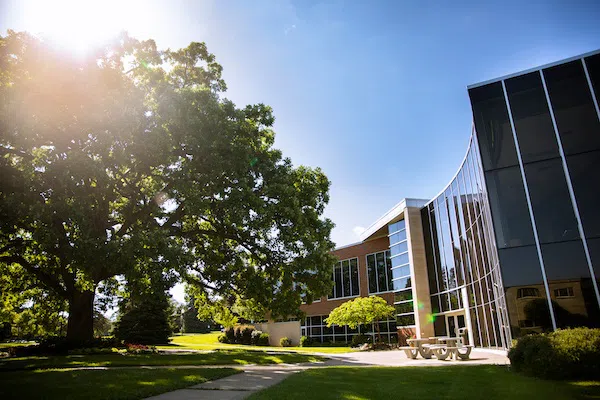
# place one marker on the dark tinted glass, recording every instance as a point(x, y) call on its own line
point(346, 277)
point(573, 107)
point(585, 178)
point(428, 250)
point(593, 67)
point(509, 208)
point(372, 274)
point(381, 271)
point(521, 269)
point(550, 200)
point(338, 281)
point(531, 117)
point(493, 127)
point(582, 308)
point(594, 248)
point(354, 273)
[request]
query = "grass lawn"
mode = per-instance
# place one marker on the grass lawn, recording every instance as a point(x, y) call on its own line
point(221, 357)
point(6, 345)
point(102, 384)
point(487, 382)
point(209, 341)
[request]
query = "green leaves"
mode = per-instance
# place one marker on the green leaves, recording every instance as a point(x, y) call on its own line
point(130, 163)
point(360, 311)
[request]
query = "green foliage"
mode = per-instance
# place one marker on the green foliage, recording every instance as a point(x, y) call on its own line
point(358, 340)
point(230, 334)
point(360, 311)
point(305, 341)
point(145, 321)
point(131, 163)
point(247, 335)
point(223, 339)
point(285, 342)
point(563, 354)
point(259, 338)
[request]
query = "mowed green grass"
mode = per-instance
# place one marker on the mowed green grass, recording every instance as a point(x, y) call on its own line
point(209, 341)
point(116, 384)
point(220, 357)
point(487, 382)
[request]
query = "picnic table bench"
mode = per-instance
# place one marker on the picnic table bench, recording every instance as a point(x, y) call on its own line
point(440, 347)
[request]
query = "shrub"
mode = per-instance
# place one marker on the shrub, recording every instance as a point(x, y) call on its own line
point(223, 339)
point(238, 336)
point(305, 341)
point(285, 342)
point(247, 335)
point(141, 349)
point(263, 339)
point(255, 337)
point(145, 322)
point(230, 333)
point(357, 340)
point(563, 354)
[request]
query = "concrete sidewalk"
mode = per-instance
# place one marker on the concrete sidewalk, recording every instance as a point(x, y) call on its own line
point(233, 387)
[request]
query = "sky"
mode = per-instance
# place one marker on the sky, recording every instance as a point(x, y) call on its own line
point(372, 92)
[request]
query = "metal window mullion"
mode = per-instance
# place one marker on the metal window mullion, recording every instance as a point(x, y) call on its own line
point(570, 185)
point(530, 208)
point(433, 249)
point(589, 81)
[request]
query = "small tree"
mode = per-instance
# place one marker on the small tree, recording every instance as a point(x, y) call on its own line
point(362, 310)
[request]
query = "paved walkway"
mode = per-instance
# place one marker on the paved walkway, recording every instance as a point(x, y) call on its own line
point(258, 377)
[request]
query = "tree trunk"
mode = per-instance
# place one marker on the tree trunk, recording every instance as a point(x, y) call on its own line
point(378, 332)
point(81, 317)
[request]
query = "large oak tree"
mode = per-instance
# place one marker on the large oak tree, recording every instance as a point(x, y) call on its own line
point(131, 162)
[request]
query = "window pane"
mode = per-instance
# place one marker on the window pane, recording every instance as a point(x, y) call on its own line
point(398, 237)
point(404, 308)
point(405, 320)
point(493, 127)
point(593, 67)
point(566, 263)
point(371, 272)
point(401, 272)
point(396, 226)
point(435, 304)
point(531, 117)
point(381, 277)
point(346, 277)
point(521, 269)
point(354, 276)
point(429, 250)
point(399, 248)
point(403, 296)
point(585, 177)
point(573, 107)
point(403, 283)
point(509, 208)
point(338, 281)
point(550, 201)
point(399, 260)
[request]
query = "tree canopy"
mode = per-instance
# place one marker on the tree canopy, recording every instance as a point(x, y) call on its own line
point(130, 163)
point(361, 311)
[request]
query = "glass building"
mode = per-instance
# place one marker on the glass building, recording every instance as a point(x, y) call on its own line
point(511, 245)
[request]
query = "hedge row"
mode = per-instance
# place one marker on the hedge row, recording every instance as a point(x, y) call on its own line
point(563, 354)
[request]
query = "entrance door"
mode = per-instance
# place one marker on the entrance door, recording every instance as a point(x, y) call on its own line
point(453, 323)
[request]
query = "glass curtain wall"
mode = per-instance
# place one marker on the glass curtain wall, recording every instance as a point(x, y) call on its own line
point(316, 328)
point(462, 261)
point(540, 148)
point(400, 271)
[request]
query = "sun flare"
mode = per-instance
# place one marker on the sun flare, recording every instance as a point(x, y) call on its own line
point(80, 25)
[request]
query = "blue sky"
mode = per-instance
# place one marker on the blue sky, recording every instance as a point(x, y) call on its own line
point(372, 92)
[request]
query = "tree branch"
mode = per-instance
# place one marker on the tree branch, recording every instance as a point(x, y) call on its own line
point(46, 278)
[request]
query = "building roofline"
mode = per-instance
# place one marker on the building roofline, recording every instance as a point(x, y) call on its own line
point(390, 215)
point(526, 71)
point(347, 245)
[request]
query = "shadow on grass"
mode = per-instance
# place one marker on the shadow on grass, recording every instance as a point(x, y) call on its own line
point(102, 384)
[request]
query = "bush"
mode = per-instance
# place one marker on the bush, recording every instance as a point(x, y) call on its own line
point(146, 322)
point(263, 339)
point(285, 342)
point(238, 336)
point(358, 340)
point(305, 341)
point(230, 333)
point(563, 354)
point(255, 337)
point(247, 336)
point(223, 339)
point(141, 349)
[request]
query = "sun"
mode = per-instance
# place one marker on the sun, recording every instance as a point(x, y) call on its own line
point(80, 25)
